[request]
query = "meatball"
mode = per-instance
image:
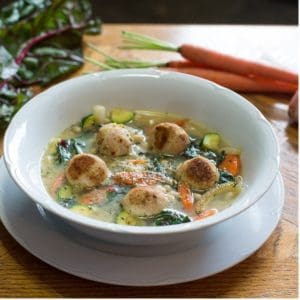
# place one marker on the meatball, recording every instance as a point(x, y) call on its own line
point(113, 139)
point(198, 172)
point(168, 138)
point(86, 171)
point(145, 201)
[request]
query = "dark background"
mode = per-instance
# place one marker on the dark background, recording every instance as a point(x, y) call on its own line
point(196, 11)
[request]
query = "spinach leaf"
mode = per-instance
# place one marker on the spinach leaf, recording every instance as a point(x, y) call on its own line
point(68, 202)
point(225, 177)
point(195, 148)
point(66, 149)
point(117, 194)
point(170, 217)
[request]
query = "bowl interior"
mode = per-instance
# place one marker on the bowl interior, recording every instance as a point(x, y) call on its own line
point(221, 110)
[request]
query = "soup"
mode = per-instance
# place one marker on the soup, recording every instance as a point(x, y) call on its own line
point(141, 168)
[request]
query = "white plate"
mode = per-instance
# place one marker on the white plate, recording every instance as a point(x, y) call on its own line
point(221, 246)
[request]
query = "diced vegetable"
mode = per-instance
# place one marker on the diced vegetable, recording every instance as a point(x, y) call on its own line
point(99, 113)
point(82, 209)
point(67, 203)
point(231, 164)
point(88, 122)
point(93, 197)
point(170, 217)
point(121, 116)
point(124, 218)
point(186, 195)
point(205, 214)
point(65, 192)
point(211, 141)
point(59, 180)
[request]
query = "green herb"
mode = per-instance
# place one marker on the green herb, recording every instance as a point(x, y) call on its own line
point(170, 217)
point(67, 203)
point(66, 149)
point(195, 148)
point(41, 41)
point(117, 194)
point(225, 177)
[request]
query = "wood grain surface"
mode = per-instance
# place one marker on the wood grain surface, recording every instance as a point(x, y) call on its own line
point(270, 272)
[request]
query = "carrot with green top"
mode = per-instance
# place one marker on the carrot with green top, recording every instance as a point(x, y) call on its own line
point(209, 58)
point(232, 164)
point(186, 195)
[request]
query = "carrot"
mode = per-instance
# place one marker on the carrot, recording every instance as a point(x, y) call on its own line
point(231, 163)
point(138, 161)
point(185, 195)
point(293, 109)
point(132, 178)
point(182, 64)
point(232, 64)
point(240, 83)
point(93, 197)
point(181, 122)
point(205, 214)
point(58, 182)
point(209, 58)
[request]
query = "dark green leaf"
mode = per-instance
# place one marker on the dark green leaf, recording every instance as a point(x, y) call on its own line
point(8, 67)
point(67, 203)
point(11, 100)
point(171, 217)
point(66, 149)
point(225, 177)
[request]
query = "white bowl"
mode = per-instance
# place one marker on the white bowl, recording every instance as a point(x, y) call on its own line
point(220, 109)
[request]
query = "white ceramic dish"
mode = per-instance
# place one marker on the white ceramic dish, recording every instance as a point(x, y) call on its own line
point(51, 242)
point(220, 109)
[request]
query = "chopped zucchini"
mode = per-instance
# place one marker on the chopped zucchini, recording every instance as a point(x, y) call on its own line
point(88, 122)
point(121, 116)
point(82, 209)
point(65, 192)
point(211, 141)
point(99, 113)
point(124, 218)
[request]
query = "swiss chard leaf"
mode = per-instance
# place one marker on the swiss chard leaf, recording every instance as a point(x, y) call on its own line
point(66, 149)
point(195, 148)
point(41, 41)
point(225, 177)
point(11, 100)
point(171, 217)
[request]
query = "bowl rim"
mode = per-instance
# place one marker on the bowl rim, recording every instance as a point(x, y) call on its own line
point(57, 209)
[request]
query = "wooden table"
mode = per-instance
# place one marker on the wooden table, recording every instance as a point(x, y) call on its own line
point(272, 270)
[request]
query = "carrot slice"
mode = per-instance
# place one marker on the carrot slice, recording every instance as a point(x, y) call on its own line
point(231, 163)
point(93, 197)
point(58, 182)
point(205, 214)
point(185, 195)
point(181, 122)
point(138, 161)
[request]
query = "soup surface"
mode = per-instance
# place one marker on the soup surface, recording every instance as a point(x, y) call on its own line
point(141, 168)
